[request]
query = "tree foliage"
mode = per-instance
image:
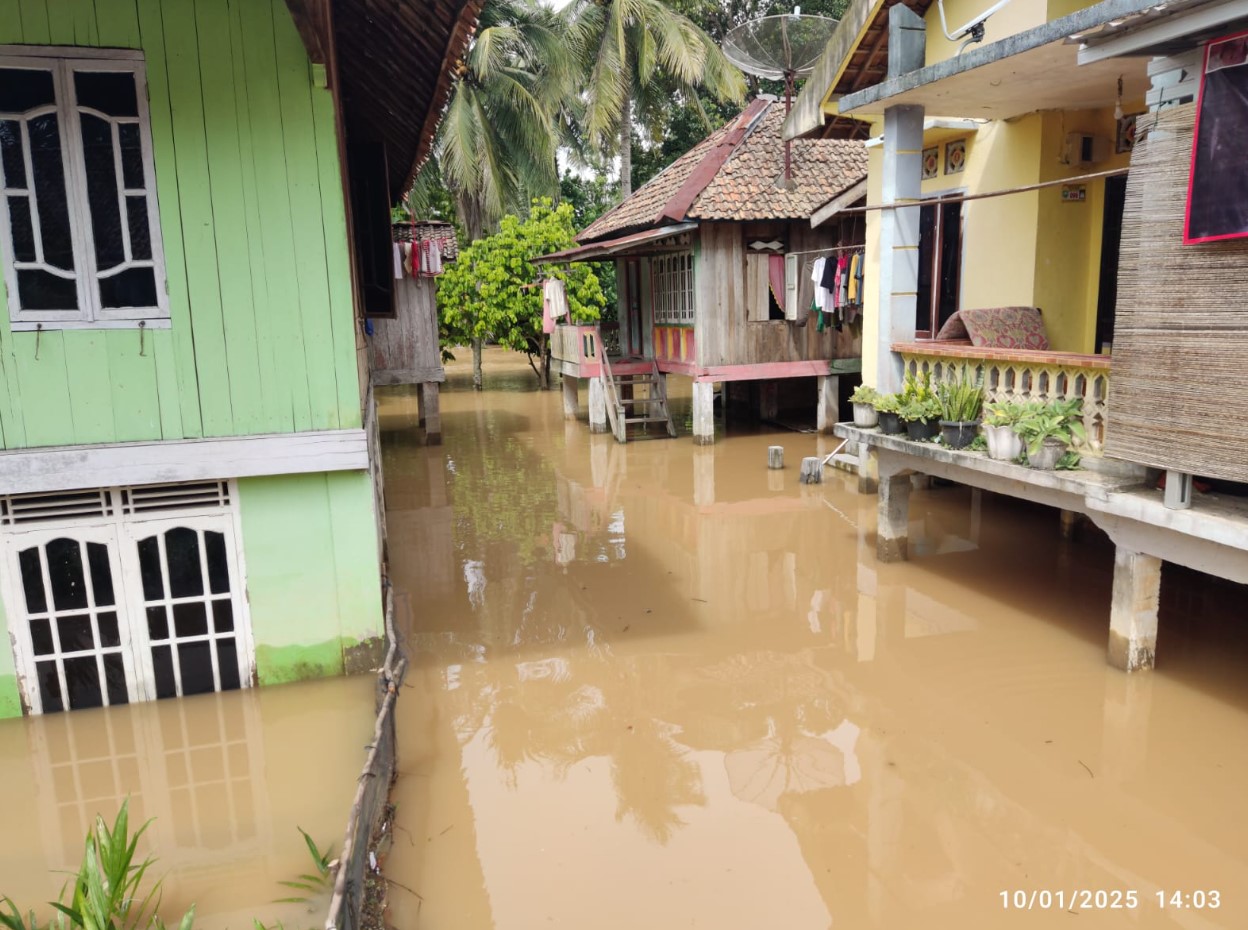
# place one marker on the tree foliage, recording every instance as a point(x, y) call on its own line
point(488, 292)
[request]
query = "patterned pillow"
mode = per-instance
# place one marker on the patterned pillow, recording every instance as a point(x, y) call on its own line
point(954, 329)
point(1006, 328)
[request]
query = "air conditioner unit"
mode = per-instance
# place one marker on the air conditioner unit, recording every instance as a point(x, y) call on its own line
point(1083, 149)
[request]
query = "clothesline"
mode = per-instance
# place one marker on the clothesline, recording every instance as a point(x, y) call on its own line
point(827, 249)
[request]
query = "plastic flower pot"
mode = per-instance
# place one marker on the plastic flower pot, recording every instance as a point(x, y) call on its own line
point(891, 424)
point(958, 434)
point(865, 416)
point(921, 431)
point(1004, 444)
point(1046, 459)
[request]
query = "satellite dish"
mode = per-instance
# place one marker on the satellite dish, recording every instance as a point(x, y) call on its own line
point(780, 48)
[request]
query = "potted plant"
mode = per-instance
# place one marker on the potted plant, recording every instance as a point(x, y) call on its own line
point(920, 407)
point(1048, 430)
point(863, 399)
point(922, 417)
point(999, 418)
point(888, 406)
point(961, 402)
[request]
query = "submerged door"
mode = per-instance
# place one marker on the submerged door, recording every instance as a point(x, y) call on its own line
point(73, 643)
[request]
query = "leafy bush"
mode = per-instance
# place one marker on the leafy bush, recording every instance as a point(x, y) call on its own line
point(1003, 412)
point(920, 410)
point(1061, 420)
point(864, 394)
point(888, 403)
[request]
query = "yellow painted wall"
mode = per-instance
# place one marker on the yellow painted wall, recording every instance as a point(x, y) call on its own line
point(1014, 18)
point(1068, 251)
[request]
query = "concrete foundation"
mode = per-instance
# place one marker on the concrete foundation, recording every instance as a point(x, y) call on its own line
point(571, 399)
point(1133, 610)
point(598, 407)
point(703, 413)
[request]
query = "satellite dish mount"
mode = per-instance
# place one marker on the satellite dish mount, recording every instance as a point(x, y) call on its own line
point(780, 48)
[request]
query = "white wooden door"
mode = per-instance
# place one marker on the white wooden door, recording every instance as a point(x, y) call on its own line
point(184, 577)
point(73, 637)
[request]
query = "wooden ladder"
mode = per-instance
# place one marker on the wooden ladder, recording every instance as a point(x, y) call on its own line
point(628, 411)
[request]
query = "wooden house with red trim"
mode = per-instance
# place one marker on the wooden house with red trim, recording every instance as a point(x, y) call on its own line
point(714, 258)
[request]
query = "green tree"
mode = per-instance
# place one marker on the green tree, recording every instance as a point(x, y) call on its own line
point(590, 198)
point(489, 290)
point(636, 54)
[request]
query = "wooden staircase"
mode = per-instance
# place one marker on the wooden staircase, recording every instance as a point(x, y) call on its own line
point(633, 410)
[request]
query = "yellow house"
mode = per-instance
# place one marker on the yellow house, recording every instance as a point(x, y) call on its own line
point(1003, 234)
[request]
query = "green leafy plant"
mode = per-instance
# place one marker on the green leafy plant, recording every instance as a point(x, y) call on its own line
point(888, 403)
point(961, 401)
point(978, 444)
point(1003, 412)
point(864, 394)
point(1068, 462)
point(918, 388)
point(1061, 420)
point(107, 890)
point(311, 883)
point(920, 410)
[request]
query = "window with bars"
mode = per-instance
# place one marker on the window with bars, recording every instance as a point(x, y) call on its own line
point(81, 232)
point(671, 279)
point(132, 600)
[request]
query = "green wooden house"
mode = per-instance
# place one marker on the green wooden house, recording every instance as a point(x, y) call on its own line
point(194, 229)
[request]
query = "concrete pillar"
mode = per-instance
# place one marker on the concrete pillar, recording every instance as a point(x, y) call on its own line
point(894, 518)
point(899, 228)
point(420, 406)
point(432, 413)
point(828, 408)
point(703, 413)
point(768, 400)
point(703, 478)
point(1133, 610)
point(868, 469)
point(598, 407)
point(570, 398)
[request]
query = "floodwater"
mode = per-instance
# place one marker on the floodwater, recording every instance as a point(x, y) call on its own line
point(659, 686)
point(227, 778)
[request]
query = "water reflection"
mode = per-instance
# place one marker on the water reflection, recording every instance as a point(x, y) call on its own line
point(659, 686)
point(225, 779)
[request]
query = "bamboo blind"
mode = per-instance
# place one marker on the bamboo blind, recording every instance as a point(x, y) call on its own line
point(1180, 372)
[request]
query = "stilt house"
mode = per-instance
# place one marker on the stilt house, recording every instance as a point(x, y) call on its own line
point(714, 258)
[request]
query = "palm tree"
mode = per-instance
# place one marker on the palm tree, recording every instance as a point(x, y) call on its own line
point(636, 52)
point(496, 145)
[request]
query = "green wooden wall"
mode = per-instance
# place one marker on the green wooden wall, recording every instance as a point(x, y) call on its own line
point(254, 229)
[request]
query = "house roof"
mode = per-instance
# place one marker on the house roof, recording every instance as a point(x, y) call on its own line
point(736, 174)
point(856, 57)
point(394, 63)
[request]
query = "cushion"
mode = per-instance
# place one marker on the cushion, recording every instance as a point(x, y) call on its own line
point(1005, 328)
point(954, 329)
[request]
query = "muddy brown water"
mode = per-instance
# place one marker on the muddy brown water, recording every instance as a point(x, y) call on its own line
point(660, 686)
point(226, 778)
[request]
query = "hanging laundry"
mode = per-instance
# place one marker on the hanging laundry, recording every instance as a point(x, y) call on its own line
point(816, 276)
point(398, 262)
point(554, 303)
point(842, 278)
point(861, 259)
point(855, 263)
point(775, 277)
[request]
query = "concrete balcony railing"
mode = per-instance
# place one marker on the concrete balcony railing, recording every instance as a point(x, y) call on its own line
point(1021, 375)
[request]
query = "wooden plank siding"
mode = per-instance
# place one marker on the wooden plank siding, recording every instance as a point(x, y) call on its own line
point(726, 332)
point(406, 350)
point(263, 334)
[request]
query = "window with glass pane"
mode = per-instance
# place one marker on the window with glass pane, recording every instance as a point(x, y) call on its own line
point(672, 276)
point(78, 210)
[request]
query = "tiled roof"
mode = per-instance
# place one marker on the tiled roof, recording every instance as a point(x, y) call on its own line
point(745, 186)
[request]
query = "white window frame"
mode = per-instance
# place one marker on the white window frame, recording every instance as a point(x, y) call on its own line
point(671, 283)
point(63, 62)
point(121, 529)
